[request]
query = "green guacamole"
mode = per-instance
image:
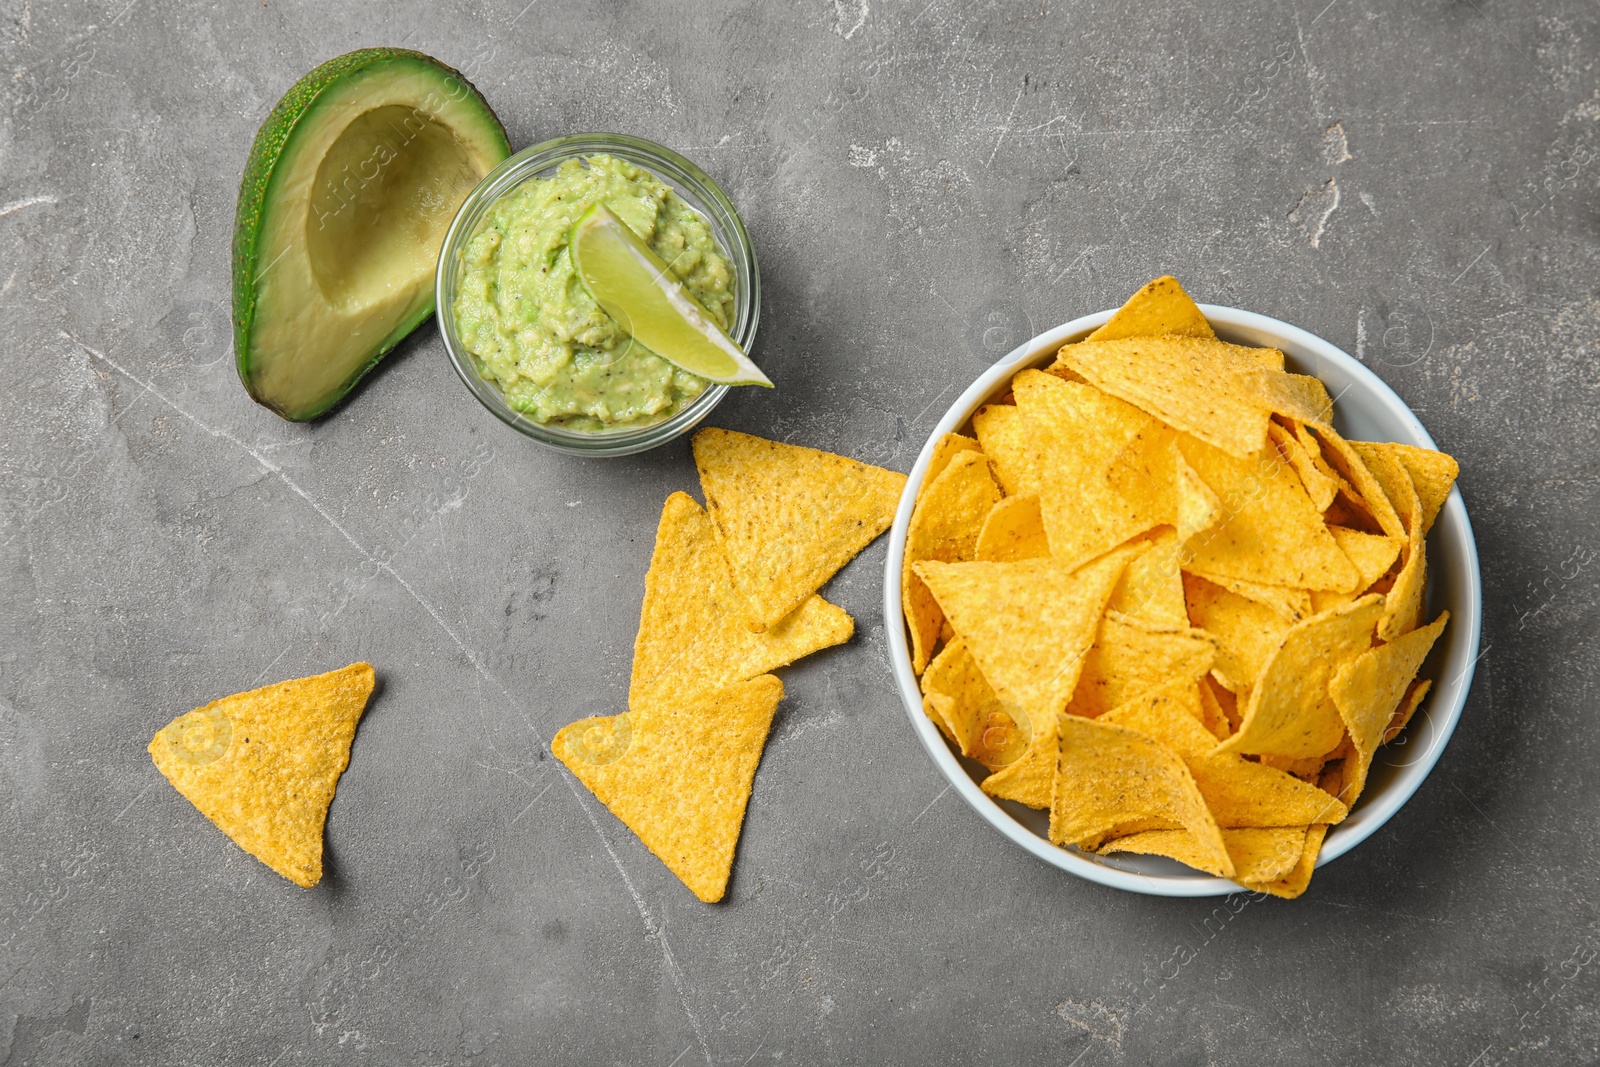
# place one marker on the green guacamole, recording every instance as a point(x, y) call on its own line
point(537, 334)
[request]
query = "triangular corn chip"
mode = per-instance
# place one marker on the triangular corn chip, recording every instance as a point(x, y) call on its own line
point(1239, 792)
point(1270, 533)
point(1151, 588)
point(1113, 781)
point(947, 448)
point(263, 765)
point(1343, 457)
point(1258, 854)
point(981, 726)
point(1433, 473)
point(1218, 392)
point(1001, 432)
point(1160, 307)
point(1130, 657)
point(1372, 554)
point(678, 774)
point(692, 632)
point(1403, 603)
point(1013, 530)
point(789, 517)
point(1291, 605)
point(1294, 883)
point(1408, 707)
point(1319, 486)
point(1290, 712)
point(1093, 456)
point(1368, 690)
point(945, 525)
point(1247, 632)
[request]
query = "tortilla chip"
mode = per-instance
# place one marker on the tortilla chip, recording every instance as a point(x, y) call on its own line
point(1257, 854)
point(1013, 530)
point(945, 526)
point(263, 765)
point(1408, 707)
point(1151, 588)
point(1270, 534)
point(788, 517)
point(1130, 658)
point(1372, 554)
point(981, 726)
point(1291, 605)
point(1342, 456)
point(692, 632)
point(1298, 879)
point(1113, 781)
point(1237, 791)
point(678, 774)
point(1160, 307)
point(1247, 633)
point(1320, 487)
point(1368, 690)
point(1029, 625)
point(1290, 712)
point(1433, 473)
point(1093, 455)
point(1213, 715)
point(1219, 393)
point(947, 448)
point(1001, 432)
point(1403, 603)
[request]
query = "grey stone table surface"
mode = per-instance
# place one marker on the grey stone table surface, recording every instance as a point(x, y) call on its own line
point(927, 183)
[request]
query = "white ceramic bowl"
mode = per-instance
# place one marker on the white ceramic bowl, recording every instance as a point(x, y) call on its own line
point(1364, 409)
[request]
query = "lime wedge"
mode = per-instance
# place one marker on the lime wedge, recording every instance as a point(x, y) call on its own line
point(633, 286)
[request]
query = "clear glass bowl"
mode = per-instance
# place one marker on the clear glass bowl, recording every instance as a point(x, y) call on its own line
point(694, 186)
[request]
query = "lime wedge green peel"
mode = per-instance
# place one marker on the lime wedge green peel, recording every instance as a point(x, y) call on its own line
point(633, 286)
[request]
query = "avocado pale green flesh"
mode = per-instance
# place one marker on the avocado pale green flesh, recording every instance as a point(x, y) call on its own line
point(351, 186)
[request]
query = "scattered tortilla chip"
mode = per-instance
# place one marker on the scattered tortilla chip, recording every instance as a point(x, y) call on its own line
point(1291, 605)
point(1113, 781)
point(1257, 854)
point(1093, 456)
point(1004, 439)
point(1408, 707)
point(1247, 633)
point(1270, 533)
point(1218, 392)
point(788, 517)
point(263, 765)
point(1290, 712)
point(678, 774)
point(945, 526)
point(692, 632)
point(1130, 658)
point(1151, 588)
point(1368, 690)
point(1014, 530)
point(1320, 487)
point(1160, 307)
point(1433, 473)
point(1295, 882)
point(1237, 791)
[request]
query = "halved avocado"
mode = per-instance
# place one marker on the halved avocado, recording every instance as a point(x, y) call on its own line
point(350, 187)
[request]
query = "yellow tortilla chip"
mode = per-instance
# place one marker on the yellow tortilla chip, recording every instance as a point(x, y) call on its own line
point(1372, 554)
point(975, 719)
point(1213, 716)
point(1001, 432)
point(1218, 392)
point(1290, 712)
point(788, 517)
point(1408, 708)
point(1151, 588)
point(1291, 605)
point(1403, 603)
point(945, 526)
point(1130, 657)
point(263, 765)
point(1013, 530)
point(1298, 879)
point(1160, 307)
point(1320, 487)
point(1270, 533)
point(1237, 791)
point(1113, 781)
point(1368, 690)
point(692, 632)
point(1093, 457)
point(1247, 632)
point(1347, 461)
point(678, 774)
point(1264, 854)
point(948, 447)
point(1433, 473)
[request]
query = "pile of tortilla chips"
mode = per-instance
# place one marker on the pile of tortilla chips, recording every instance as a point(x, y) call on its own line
point(1157, 594)
point(730, 596)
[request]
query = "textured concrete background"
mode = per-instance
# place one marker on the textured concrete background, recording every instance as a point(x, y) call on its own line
point(927, 183)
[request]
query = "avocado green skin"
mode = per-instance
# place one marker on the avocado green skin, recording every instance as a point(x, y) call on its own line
point(255, 191)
